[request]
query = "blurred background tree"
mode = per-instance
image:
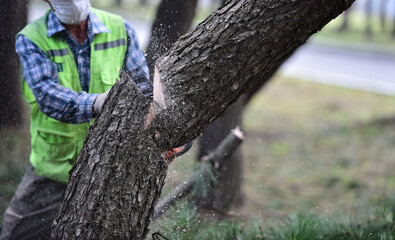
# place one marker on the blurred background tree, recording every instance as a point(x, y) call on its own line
point(13, 17)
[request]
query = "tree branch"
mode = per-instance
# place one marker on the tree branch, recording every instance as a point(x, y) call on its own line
point(226, 148)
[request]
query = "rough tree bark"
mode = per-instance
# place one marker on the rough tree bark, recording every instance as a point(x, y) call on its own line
point(173, 18)
point(13, 18)
point(119, 174)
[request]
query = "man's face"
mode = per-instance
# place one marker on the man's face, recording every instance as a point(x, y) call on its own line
point(70, 11)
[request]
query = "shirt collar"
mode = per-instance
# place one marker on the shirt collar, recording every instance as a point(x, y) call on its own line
point(95, 25)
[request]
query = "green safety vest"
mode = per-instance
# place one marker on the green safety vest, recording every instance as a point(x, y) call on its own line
point(55, 145)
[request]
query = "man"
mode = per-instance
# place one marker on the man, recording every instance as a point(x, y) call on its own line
point(70, 57)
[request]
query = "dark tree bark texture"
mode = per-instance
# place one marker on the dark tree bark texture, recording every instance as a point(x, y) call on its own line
point(227, 192)
point(13, 18)
point(117, 3)
point(119, 174)
point(173, 18)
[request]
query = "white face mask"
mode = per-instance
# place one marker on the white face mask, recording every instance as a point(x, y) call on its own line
point(71, 11)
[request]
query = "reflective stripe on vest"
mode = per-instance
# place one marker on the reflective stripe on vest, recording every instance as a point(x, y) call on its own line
point(58, 52)
point(104, 46)
point(55, 145)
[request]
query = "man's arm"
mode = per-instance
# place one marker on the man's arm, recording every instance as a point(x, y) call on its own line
point(135, 63)
point(53, 99)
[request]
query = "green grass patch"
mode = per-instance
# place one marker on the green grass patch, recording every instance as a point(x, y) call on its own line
point(309, 148)
point(316, 157)
point(184, 223)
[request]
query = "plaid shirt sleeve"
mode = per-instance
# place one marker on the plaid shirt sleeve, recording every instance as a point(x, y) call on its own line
point(135, 63)
point(41, 75)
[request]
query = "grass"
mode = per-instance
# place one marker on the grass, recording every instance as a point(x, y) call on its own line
point(314, 154)
point(185, 224)
point(310, 148)
point(330, 140)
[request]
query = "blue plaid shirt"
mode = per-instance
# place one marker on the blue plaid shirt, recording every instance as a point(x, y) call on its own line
point(41, 74)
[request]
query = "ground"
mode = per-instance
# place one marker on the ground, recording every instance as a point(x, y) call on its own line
point(310, 148)
point(313, 147)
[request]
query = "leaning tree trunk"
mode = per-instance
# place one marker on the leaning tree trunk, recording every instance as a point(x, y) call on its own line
point(173, 19)
point(227, 192)
point(345, 21)
point(12, 19)
point(117, 3)
point(119, 174)
point(383, 14)
point(393, 27)
point(368, 17)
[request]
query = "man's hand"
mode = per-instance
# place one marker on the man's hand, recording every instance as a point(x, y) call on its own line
point(98, 103)
point(175, 152)
point(169, 155)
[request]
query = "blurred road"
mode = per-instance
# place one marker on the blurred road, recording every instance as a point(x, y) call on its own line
point(357, 68)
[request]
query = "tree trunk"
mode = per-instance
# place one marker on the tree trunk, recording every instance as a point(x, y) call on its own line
point(345, 21)
point(173, 18)
point(117, 3)
point(368, 17)
point(227, 192)
point(119, 174)
point(393, 27)
point(383, 14)
point(13, 18)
